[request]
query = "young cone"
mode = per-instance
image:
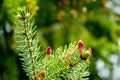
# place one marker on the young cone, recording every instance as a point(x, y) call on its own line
point(48, 50)
point(80, 47)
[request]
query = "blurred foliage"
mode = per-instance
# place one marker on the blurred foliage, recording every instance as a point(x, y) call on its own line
point(61, 22)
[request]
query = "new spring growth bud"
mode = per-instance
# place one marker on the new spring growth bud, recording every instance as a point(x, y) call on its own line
point(23, 13)
point(19, 16)
point(48, 50)
point(41, 74)
point(87, 61)
point(87, 54)
point(68, 58)
point(90, 50)
point(27, 14)
point(80, 47)
point(68, 55)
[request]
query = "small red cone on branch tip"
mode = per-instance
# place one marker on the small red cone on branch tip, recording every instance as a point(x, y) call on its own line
point(80, 44)
point(80, 47)
point(48, 50)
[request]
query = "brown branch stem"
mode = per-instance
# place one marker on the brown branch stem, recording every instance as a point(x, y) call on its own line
point(30, 50)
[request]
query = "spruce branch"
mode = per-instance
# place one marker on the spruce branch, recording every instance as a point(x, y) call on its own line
point(65, 68)
point(68, 62)
point(30, 50)
point(65, 61)
point(27, 42)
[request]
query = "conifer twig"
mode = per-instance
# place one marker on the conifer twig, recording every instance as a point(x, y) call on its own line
point(30, 50)
point(66, 67)
point(63, 69)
